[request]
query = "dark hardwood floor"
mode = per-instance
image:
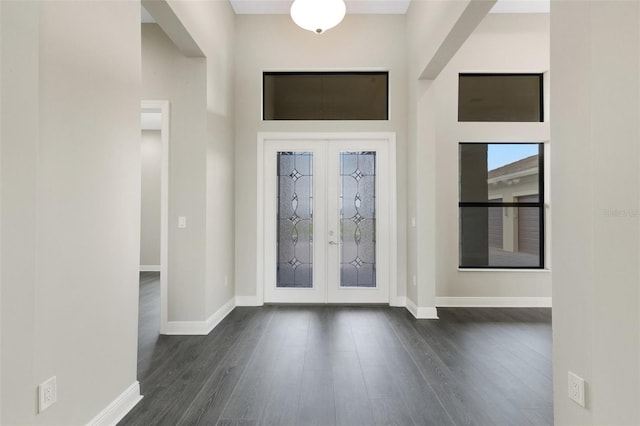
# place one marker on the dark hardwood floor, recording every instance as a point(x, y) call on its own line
point(148, 319)
point(334, 365)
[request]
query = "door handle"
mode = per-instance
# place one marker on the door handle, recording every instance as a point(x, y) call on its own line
point(333, 243)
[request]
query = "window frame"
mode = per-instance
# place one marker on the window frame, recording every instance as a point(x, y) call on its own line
point(540, 204)
point(325, 73)
point(505, 74)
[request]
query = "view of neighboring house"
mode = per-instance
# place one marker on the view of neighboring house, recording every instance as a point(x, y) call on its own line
point(514, 234)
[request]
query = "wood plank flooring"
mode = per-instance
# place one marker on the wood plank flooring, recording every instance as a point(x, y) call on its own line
point(335, 365)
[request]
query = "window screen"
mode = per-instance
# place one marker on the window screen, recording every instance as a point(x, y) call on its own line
point(500, 97)
point(501, 205)
point(326, 96)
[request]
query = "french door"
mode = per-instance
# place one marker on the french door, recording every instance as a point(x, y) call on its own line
point(326, 221)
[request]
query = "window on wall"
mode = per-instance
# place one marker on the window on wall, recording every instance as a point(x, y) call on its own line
point(325, 96)
point(500, 97)
point(501, 205)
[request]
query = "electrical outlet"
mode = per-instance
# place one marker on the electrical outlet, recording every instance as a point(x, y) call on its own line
point(576, 389)
point(47, 394)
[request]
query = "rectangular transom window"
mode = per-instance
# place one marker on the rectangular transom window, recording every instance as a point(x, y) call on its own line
point(325, 96)
point(501, 205)
point(500, 97)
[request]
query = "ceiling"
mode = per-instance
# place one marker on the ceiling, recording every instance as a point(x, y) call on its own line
point(271, 7)
point(276, 7)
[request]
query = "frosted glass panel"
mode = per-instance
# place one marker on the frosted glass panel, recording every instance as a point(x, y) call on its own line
point(358, 219)
point(295, 219)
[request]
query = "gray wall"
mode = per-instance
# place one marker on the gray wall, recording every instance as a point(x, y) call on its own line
point(168, 74)
point(212, 26)
point(151, 155)
point(595, 57)
point(427, 25)
point(70, 205)
point(501, 43)
point(201, 185)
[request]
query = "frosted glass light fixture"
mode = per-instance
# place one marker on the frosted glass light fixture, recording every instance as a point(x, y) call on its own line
point(317, 15)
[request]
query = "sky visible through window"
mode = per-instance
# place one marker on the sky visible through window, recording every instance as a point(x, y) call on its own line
point(501, 154)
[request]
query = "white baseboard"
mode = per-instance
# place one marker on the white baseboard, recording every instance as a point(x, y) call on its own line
point(149, 268)
point(398, 301)
point(119, 407)
point(421, 312)
point(493, 302)
point(248, 301)
point(201, 328)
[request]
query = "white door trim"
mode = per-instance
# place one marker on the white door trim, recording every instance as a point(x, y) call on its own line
point(162, 106)
point(389, 137)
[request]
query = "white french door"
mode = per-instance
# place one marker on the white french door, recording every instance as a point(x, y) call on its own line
point(327, 218)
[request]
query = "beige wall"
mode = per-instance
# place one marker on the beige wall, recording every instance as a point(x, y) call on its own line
point(201, 185)
point(212, 26)
point(595, 56)
point(501, 43)
point(427, 25)
point(70, 213)
point(168, 74)
point(275, 43)
point(20, 33)
point(151, 155)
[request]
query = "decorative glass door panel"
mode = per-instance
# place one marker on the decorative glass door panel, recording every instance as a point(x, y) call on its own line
point(295, 220)
point(358, 219)
point(326, 221)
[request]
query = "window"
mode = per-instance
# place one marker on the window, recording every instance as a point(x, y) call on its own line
point(501, 205)
point(500, 97)
point(325, 96)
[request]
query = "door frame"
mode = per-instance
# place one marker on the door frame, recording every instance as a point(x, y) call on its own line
point(389, 138)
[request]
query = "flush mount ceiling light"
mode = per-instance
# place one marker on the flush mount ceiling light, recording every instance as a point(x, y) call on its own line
point(317, 15)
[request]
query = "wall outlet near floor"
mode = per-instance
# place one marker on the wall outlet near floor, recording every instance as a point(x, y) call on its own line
point(47, 394)
point(576, 388)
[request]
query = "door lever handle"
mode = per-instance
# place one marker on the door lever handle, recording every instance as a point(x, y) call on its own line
point(333, 243)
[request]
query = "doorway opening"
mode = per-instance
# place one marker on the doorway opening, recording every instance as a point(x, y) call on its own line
point(154, 215)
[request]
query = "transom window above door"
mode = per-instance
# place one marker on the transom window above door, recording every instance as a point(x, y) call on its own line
point(325, 95)
point(500, 97)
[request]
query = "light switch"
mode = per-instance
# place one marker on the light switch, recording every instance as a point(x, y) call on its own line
point(182, 221)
